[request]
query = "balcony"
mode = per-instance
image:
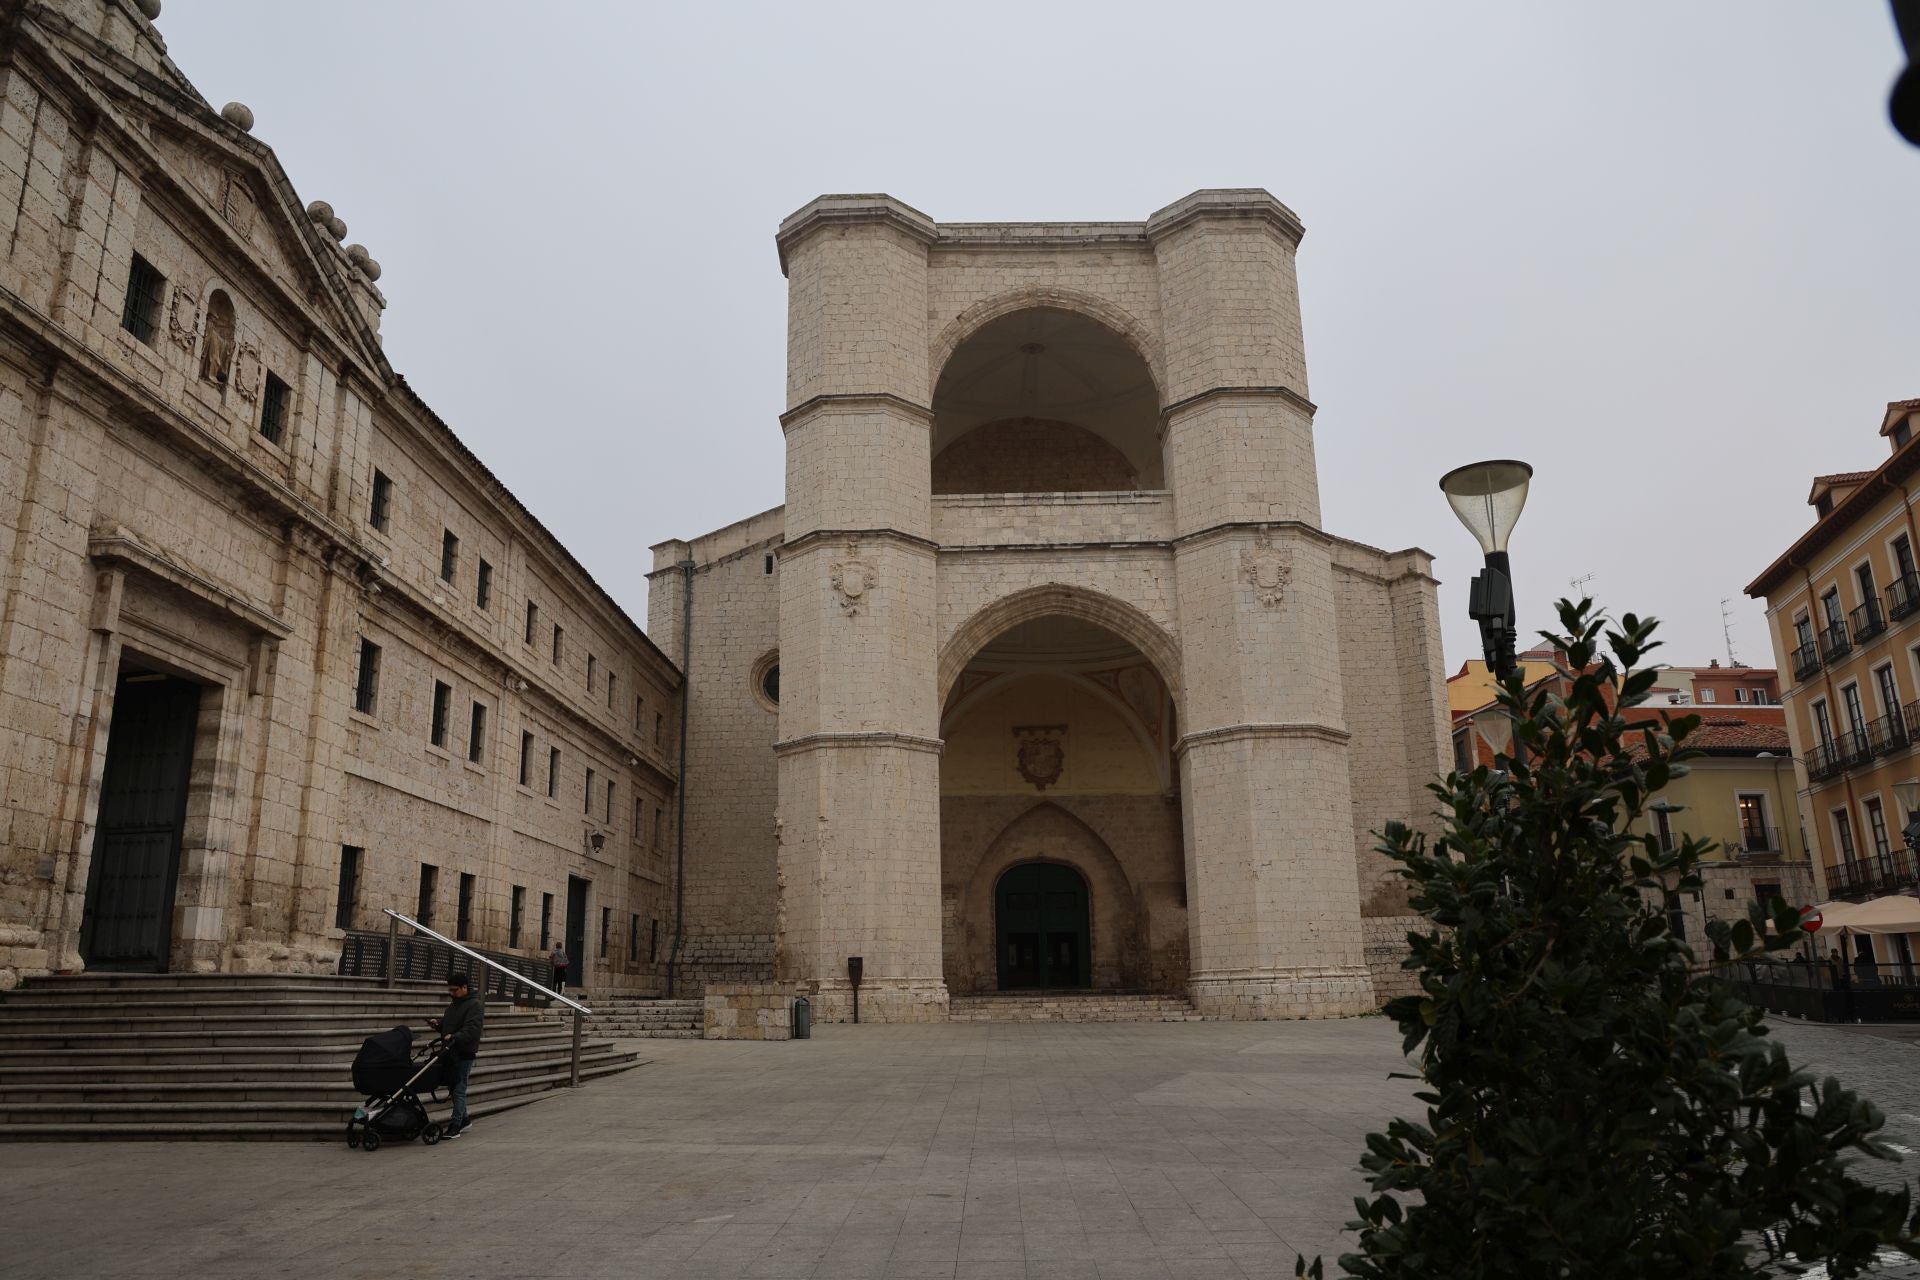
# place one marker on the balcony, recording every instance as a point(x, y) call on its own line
point(1823, 761)
point(1834, 644)
point(1887, 734)
point(1867, 621)
point(1893, 872)
point(1853, 748)
point(1806, 661)
point(1903, 595)
point(1757, 841)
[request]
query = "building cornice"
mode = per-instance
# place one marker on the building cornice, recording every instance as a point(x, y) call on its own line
point(1227, 204)
point(827, 211)
point(855, 402)
point(1295, 731)
point(882, 533)
point(1198, 398)
point(876, 738)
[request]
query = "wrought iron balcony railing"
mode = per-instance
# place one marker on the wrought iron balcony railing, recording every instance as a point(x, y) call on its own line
point(1757, 840)
point(1891, 872)
point(1867, 621)
point(1823, 761)
point(1854, 748)
point(1834, 643)
point(1806, 661)
point(1887, 734)
point(1903, 595)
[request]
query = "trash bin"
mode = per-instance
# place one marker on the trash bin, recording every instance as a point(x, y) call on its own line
point(802, 1019)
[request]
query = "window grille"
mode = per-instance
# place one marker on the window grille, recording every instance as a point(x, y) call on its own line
point(141, 314)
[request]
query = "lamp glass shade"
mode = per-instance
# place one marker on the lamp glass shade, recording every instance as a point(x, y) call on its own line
point(1488, 496)
point(1908, 794)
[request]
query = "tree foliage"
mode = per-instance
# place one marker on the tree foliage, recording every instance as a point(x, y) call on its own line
point(1597, 1103)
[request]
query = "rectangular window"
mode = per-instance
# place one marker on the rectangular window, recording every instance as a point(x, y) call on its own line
point(1753, 821)
point(463, 923)
point(533, 619)
point(1739, 695)
point(1830, 606)
point(449, 555)
point(273, 409)
point(517, 917)
point(380, 514)
point(1903, 556)
point(429, 880)
point(141, 314)
point(1877, 826)
point(593, 667)
point(349, 894)
point(477, 733)
point(1823, 723)
point(586, 794)
point(1709, 695)
point(639, 713)
point(1843, 825)
point(1676, 915)
point(366, 686)
point(606, 927)
point(609, 801)
point(1766, 890)
point(442, 707)
point(559, 638)
point(659, 824)
point(483, 586)
point(1863, 577)
point(1888, 690)
point(639, 819)
point(633, 939)
point(1856, 715)
point(653, 941)
point(612, 680)
point(553, 771)
point(546, 921)
point(526, 759)
point(1803, 630)
point(659, 728)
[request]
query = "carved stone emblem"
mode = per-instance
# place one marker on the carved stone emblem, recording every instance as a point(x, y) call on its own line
point(1266, 569)
point(183, 318)
point(853, 578)
point(246, 371)
point(1041, 757)
point(238, 205)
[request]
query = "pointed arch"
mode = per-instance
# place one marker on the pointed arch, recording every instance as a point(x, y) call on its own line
point(1059, 599)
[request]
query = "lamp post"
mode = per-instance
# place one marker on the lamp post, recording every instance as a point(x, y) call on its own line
point(1907, 794)
point(1488, 497)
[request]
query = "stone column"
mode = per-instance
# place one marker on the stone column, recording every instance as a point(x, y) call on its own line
point(1271, 876)
point(859, 812)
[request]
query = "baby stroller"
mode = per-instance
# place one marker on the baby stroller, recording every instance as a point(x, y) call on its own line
point(393, 1077)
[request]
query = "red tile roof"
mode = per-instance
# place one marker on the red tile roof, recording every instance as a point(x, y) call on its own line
point(1726, 735)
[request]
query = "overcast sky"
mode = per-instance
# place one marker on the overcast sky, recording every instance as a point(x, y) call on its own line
point(1666, 253)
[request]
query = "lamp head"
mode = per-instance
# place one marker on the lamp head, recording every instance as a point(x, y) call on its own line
point(598, 840)
point(1488, 496)
point(1908, 794)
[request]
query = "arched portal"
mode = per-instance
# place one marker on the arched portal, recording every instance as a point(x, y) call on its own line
point(1058, 754)
point(1045, 400)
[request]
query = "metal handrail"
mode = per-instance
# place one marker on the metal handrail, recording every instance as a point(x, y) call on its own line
point(464, 950)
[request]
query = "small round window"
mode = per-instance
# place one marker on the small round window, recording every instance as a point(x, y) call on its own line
point(770, 683)
point(766, 680)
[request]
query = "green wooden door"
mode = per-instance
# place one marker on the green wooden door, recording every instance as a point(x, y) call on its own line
point(1041, 928)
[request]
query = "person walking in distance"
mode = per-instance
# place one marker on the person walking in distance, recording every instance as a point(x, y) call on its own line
point(559, 959)
point(461, 1025)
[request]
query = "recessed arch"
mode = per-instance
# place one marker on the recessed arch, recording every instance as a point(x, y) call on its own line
point(1059, 599)
point(1048, 297)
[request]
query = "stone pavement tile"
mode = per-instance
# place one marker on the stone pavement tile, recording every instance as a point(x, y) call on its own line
point(920, 1269)
point(985, 1247)
point(1136, 1269)
point(991, 1269)
point(928, 1240)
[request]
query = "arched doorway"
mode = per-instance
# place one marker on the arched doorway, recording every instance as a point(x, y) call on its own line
point(1042, 928)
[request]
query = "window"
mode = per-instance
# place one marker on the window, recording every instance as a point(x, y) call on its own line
point(593, 667)
point(768, 566)
point(1709, 695)
point(639, 713)
point(1903, 556)
point(1843, 827)
point(1762, 696)
point(1676, 915)
point(449, 555)
point(1901, 433)
point(1463, 751)
point(659, 728)
point(606, 927)
point(586, 794)
point(1888, 690)
point(659, 824)
point(609, 801)
point(546, 921)
point(553, 771)
point(366, 686)
point(633, 939)
point(653, 941)
point(483, 586)
point(273, 409)
point(442, 705)
point(1663, 827)
point(463, 923)
point(216, 343)
point(517, 916)
point(477, 733)
point(533, 619)
point(639, 819)
point(1877, 826)
point(770, 683)
point(429, 878)
point(349, 894)
point(1753, 821)
point(141, 314)
point(1822, 723)
point(1766, 890)
point(1850, 698)
point(1739, 695)
point(380, 514)
point(1803, 630)
point(559, 638)
point(1830, 607)
point(1863, 578)
point(612, 680)
point(526, 759)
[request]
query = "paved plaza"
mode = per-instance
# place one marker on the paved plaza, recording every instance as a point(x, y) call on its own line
point(985, 1150)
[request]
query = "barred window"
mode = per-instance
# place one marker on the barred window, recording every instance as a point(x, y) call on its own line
point(141, 314)
point(442, 705)
point(366, 689)
point(483, 585)
point(273, 410)
point(380, 514)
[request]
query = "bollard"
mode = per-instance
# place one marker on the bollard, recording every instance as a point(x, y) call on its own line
point(393, 946)
point(579, 1028)
point(802, 1019)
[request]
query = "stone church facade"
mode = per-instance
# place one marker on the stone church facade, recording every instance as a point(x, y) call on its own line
point(1046, 675)
point(276, 650)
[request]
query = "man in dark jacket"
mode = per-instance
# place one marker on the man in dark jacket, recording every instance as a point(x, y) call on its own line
point(461, 1025)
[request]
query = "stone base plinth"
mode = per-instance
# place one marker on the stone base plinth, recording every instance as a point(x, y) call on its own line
point(881, 1000)
point(1386, 943)
point(749, 1010)
point(319, 956)
point(1340, 992)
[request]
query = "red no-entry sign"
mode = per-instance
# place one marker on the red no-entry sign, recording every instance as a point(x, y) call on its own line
point(1810, 919)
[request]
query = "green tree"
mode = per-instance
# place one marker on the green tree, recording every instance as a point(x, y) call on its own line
point(1597, 1103)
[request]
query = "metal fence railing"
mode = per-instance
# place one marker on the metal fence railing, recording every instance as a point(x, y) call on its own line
point(1827, 991)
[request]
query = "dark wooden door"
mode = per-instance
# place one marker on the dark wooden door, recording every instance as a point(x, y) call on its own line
point(577, 929)
point(1041, 928)
point(143, 807)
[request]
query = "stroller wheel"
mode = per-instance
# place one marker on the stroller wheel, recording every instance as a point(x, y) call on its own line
point(430, 1134)
point(371, 1142)
point(353, 1134)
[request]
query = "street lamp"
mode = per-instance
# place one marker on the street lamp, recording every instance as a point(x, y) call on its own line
point(1488, 497)
point(1908, 795)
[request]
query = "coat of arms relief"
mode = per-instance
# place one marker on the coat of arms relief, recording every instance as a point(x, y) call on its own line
point(1267, 569)
point(852, 579)
point(1040, 758)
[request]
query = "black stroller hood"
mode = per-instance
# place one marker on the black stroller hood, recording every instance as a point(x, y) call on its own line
point(384, 1062)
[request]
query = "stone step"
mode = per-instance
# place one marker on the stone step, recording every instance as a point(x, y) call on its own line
point(134, 1067)
point(1066, 1007)
point(264, 1046)
point(73, 996)
point(231, 1131)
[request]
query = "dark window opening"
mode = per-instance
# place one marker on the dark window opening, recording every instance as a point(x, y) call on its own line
point(769, 565)
point(586, 794)
point(349, 893)
point(546, 921)
point(553, 771)
point(612, 680)
point(533, 619)
point(442, 706)
point(477, 733)
point(606, 928)
point(381, 512)
point(639, 713)
point(1823, 505)
point(609, 801)
point(653, 941)
point(517, 916)
point(463, 923)
point(593, 668)
point(141, 314)
point(273, 409)
point(526, 759)
point(639, 819)
point(1902, 432)
point(483, 586)
point(770, 683)
point(366, 686)
point(429, 880)
point(449, 555)
point(559, 638)
point(633, 939)
point(659, 728)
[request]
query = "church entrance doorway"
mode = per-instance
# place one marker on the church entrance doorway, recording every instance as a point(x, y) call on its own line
point(1042, 917)
point(128, 922)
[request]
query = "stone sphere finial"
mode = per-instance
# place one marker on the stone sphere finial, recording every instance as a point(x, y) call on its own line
point(336, 228)
point(320, 211)
point(357, 253)
point(370, 268)
point(239, 115)
point(149, 9)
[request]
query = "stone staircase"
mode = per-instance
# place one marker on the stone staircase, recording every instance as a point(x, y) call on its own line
point(1072, 1006)
point(625, 1017)
point(230, 1056)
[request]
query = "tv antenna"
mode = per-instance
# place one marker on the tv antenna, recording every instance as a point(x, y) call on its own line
point(1726, 628)
point(1579, 584)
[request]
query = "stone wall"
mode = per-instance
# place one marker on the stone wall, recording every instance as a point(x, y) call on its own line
point(1031, 456)
point(748, 1011)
